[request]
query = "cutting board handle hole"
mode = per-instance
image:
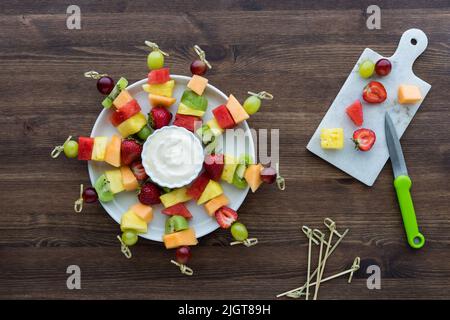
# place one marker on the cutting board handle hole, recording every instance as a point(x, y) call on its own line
point(413, 41)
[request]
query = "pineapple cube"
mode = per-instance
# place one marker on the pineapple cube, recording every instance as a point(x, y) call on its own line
point(99, 150)
point(197, 84)
point(115, 180)
point(174, 197)
point(332, 138)
point(215, 128)
point(164, 89)
point(132, 125)
point(213, 189)
point(130, 221)
point(230, 165)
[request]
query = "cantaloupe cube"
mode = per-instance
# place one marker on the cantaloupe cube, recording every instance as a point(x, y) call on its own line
point(212, 190)
point(197, 84)
point(160, 101)
point(98, 153)
point(163, 89)
point(112, 154)
point(132, 125)
point(237, 111)
point(175, 196)
point(115, 180)
point(215, 128)
point(129, 181)
point(130, 221)
point(181, 238)
point(184, 109)
point(122, 99)
point(253, 176)
point(216, 203)
point(142, 211)
point(408, 94)
point(332, 138)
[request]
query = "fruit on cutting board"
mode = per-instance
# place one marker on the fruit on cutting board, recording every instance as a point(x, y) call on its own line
point(197, 84)
point(374, 92)
point(252, 104)
point(408, 94)
point(176, 223)
point(253, 176)
point(70, 149)
point(122, 99)
point(129, 181)
point(130, 151)
point(181, 238)
point(236, 110)
point(158, 76)
point(175, 196)
point(212, 190)
point(125, 112)
point(163, 89)
point(159, 117)
point(184, 109)
point(149, 194)
point(225, 217)
point(364, 139)
point(214, 165)
point(197, 187)
point(366, 68)
point(355, 113)
point(187, 122)
point(239, 231)
point(85, 147)
point(99, 150)
point(178, 209)
point(214, 127)
point(138, 170)
point(383, 67)
point(103, 190)
point(143, 211)
point(115, 180)
point(332, 138)
point(223, 117)
point(112, 153)
point(216, 203)
point(230, 165)
point(120, 85)
point(160, 101)
point(132, 125)
point(194, 101)
point(130, 221)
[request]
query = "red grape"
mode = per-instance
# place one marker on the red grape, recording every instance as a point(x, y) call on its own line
point(383, 67)
point(105, 85)
point(183, 254)
point(198, 67)
point(268, 175)
point(90, 195)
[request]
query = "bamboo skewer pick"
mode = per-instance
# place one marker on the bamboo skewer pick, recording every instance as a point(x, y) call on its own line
point(320, 274)
point(309, 234)
point(321, 236)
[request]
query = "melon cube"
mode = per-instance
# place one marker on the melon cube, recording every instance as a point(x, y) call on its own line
point(197, 84)
point(187, 122)
point(175, 196)
point(115, 180)
point(158, 76)
point(253, 176)
point(112, 154)
point(85, 147)
point(216, 203)
point(143, 211)
point(181, 238)
point(99, 151)
point(129, 180)
point(160, 101)
point(163, 89)
point(132, 125)
point(237, 111)
point(122, 99)
point(223, 117)
point(130, 221)
point(408, 94)
point(332, 138)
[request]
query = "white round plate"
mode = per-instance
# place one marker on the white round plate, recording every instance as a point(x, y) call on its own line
point(201, 221)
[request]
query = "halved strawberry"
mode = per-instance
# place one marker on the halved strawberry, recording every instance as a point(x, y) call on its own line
point(226, 216)
point(178, 210)
point(364, 139)
point(355, 112)
point(138, 170)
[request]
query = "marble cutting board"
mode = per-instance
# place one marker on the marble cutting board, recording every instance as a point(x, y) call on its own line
point(366, 166)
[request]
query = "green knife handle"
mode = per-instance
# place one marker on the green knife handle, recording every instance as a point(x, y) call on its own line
point(402, 186)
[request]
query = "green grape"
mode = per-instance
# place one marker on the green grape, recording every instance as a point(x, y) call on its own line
point(366, 68)
point(252, 104)
point(155, 60)
point(144, 133)
point(129, 237)
point(239, 231)
point(71, 149)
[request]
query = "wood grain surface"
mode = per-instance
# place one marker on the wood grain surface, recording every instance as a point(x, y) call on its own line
point(301, 51)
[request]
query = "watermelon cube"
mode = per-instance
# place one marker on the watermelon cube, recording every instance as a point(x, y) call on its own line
point(188, 122)
point(194, 101)
point(223, 117)
point(125, 112)
point(355, 112)
point(198, 186)
point(159, 76)
point(85, 147)
point(178, 209)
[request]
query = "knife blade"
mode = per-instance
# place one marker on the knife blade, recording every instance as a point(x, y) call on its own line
point(402, 184)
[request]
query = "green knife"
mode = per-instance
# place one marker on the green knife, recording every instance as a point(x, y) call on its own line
point(402, 184)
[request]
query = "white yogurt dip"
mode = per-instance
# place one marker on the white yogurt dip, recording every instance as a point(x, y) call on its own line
point(172, 156)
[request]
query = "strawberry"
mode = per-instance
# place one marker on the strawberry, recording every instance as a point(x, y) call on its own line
point(226, 216)
point(138, 170)
point(364, 139)
point(213, 165)
point(159, 117)
point(178, 209)
point(130, 151)
point(149, 194)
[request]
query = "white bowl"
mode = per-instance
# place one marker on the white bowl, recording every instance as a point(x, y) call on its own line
point(195, 164)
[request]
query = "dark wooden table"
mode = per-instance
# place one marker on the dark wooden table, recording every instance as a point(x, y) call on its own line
point(301, 51)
